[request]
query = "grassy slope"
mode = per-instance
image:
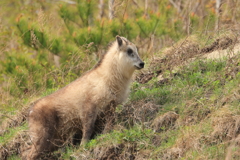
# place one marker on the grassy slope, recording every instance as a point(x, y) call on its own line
point(192, 113)
point(188, 111)
point(198, 117)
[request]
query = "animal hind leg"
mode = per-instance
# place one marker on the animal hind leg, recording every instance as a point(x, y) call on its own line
point(39, 139)
point(42, 133)
point(43, 142)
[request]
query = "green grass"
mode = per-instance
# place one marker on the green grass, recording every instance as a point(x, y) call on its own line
point(135, 134)
point(14, 157)
point(11, 133)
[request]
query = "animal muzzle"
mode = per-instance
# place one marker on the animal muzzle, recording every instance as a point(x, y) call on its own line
point(140, 65)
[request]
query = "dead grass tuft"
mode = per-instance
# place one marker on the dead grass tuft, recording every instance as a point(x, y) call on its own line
point(164, 122)
point(122, 151)
point(143, 154)
point(138, 113)
point(172, 57)
point(13, 121)
point(144, 77)
point(15, 146)
point(218, 44)
point(173, 153)
point(233, 67)
point(116, 152)
point(190, 139)
point(181, 54)
point(226, 125)
point(194, 113)
point(233, 151)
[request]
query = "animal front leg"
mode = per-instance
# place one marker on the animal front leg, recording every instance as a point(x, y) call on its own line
point(109, 117)
point(88, 123)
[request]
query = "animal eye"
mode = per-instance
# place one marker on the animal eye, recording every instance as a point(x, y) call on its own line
point(130, 52)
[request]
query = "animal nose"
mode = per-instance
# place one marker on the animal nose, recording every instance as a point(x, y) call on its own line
point(142, 64)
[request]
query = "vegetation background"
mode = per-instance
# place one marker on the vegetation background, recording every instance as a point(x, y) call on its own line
point(184, 105)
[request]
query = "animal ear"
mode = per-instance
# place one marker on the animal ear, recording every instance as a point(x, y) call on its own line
point(119, 40)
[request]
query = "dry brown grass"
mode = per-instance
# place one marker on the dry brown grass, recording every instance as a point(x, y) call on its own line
point(218, 44)
point(17, 143)
point(13, 121)
point(138, 113)
point(193, 113)
point(182, 53)
point(225, 130)
point(189, 139)
point(226, 125)
point(14, 146)
point(109, 152)
point(165, 121)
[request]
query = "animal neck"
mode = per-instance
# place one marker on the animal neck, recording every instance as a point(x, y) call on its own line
point(116, 74)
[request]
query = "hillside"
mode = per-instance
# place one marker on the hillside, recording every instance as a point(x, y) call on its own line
point(184, 105)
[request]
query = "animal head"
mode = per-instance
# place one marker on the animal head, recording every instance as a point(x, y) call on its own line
point(128, 54)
